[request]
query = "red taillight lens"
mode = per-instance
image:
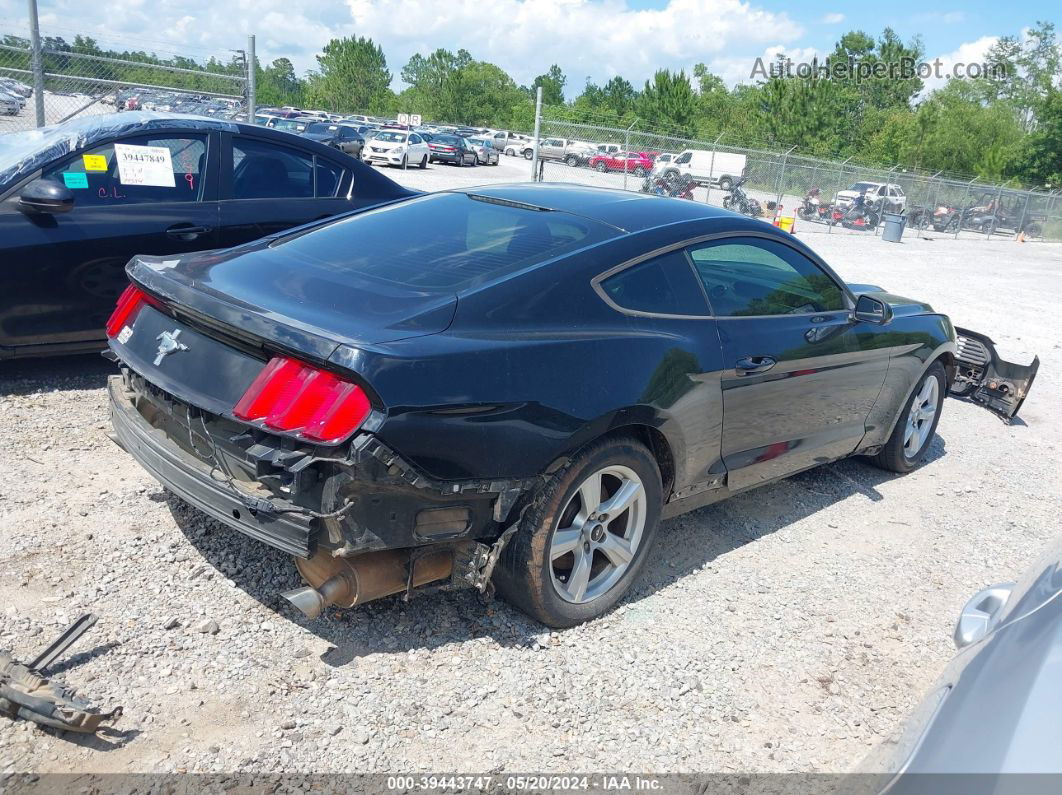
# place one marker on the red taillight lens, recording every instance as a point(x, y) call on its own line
point(295, 397)
point(129, 302)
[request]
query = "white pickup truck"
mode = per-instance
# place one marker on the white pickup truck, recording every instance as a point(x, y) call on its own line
point(705, 167)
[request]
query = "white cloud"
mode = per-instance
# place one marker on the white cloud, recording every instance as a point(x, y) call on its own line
point(832, 19)
point(967, 53)
point(733, 69)
point(588, 38)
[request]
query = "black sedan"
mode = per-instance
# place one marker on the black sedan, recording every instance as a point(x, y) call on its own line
point(339, 136)
point(452, 149)
point(79, 199)
point(512, 385)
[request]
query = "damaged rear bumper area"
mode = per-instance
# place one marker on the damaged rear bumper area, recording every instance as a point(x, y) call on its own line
point(981, 376)
point(360, 521)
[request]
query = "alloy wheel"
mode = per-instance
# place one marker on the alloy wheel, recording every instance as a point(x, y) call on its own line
point(920, 417)
point(597, 534)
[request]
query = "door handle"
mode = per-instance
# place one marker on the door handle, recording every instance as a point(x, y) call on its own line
point(187, 231)
point(750, 365)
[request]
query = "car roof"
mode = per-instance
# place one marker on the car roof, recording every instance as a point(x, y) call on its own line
point(625, 210)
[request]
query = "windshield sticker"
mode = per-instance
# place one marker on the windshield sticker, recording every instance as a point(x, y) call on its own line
point(75, 179)
point(144, 165)
point(94, 162)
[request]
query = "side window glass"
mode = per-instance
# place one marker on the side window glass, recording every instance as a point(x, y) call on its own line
point(329, 176)
point(263, 170)
point(662, 285)
point(414, 139)
point(135, 171)
point(746, 277)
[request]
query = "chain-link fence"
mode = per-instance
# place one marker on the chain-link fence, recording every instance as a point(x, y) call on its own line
point(45, 80)
point(820, 195)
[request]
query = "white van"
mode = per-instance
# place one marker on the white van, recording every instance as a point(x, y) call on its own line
point(705, 167)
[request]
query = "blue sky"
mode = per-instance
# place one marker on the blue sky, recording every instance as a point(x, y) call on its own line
point(593, 39)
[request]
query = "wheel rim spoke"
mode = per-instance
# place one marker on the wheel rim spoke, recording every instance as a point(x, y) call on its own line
point(622, 499)
point(580, 576)
point(590, 492)
point(565, 541)
point(617, 549)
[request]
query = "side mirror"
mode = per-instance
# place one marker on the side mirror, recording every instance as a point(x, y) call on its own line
point(46, 196)
point(872, 310)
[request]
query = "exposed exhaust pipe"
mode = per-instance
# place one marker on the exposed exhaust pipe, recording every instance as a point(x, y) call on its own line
point(347, 582)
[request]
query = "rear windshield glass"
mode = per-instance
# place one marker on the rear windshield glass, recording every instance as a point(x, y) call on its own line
point(440, 243)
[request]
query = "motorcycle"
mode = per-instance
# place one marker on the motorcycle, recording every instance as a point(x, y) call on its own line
point(812, 207)
point(676, 186)
point(737, 200)
point(862, 215)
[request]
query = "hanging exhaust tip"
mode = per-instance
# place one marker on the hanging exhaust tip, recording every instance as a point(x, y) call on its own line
point(311, 602)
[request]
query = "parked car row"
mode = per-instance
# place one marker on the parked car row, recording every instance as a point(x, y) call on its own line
point(989, 212)
point(13, 96)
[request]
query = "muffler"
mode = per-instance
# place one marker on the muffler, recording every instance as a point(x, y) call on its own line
point(346, 582)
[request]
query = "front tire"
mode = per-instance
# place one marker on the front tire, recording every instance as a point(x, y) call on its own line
point(910, 439)
point(585, 536)
point(726, 183)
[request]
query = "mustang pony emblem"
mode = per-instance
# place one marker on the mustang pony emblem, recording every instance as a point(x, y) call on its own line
point(168, 343)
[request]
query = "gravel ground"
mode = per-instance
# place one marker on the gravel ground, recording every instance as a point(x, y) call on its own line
point(788, 629)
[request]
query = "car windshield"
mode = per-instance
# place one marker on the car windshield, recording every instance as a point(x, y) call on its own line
point(443, 242)
point(390, 136)
point(863, 187)
point(321, 127)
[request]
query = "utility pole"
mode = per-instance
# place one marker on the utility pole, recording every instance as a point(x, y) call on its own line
point(36, 63)
point(251, 69)
point(538, 131)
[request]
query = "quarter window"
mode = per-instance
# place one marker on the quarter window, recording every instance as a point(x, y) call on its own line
point(746, 277)
point(663, 285)
point(262, 170)
point(95, 178)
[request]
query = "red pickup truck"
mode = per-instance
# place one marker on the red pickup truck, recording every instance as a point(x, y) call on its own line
point(637, 163)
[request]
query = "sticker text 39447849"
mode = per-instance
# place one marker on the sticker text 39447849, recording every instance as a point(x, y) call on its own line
point(144, 165)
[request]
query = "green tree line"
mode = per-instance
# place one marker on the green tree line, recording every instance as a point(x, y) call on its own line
point(1005, 125)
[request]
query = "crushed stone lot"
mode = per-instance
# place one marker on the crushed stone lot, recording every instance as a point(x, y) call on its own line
point(788, 629)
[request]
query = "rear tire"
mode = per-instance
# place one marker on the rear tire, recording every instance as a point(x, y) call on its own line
point(572, 160)
point(563, 568)
point(424, 162)
point(726, 183)
point(528, 154)
point(916, 426)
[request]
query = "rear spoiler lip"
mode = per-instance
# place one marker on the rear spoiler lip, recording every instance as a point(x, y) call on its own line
point(244, 325)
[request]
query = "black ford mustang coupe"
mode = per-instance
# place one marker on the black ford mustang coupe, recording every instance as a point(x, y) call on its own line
point(511, 386)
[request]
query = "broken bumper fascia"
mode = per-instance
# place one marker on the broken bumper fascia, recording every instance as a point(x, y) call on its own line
point(984, 378)
point(191, 480)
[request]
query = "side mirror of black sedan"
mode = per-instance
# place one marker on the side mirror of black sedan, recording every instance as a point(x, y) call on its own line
point(46, 196)
point(872, 310)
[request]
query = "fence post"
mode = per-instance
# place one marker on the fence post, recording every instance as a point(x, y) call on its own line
point(931, 201)
point(626, 151)
point(995, 213)
point(781, 177)
point(885, 200)
point(36, 63)
point(711, 167)
point(538, 132)
point(1024, 212)
point(962, 207)
point(840, 173)
point(251, 70)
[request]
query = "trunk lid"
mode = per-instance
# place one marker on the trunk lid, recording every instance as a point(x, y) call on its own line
point(263, 292)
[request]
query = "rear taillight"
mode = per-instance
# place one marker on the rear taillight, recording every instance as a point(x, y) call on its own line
point(129, 303)
point(294, 397)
